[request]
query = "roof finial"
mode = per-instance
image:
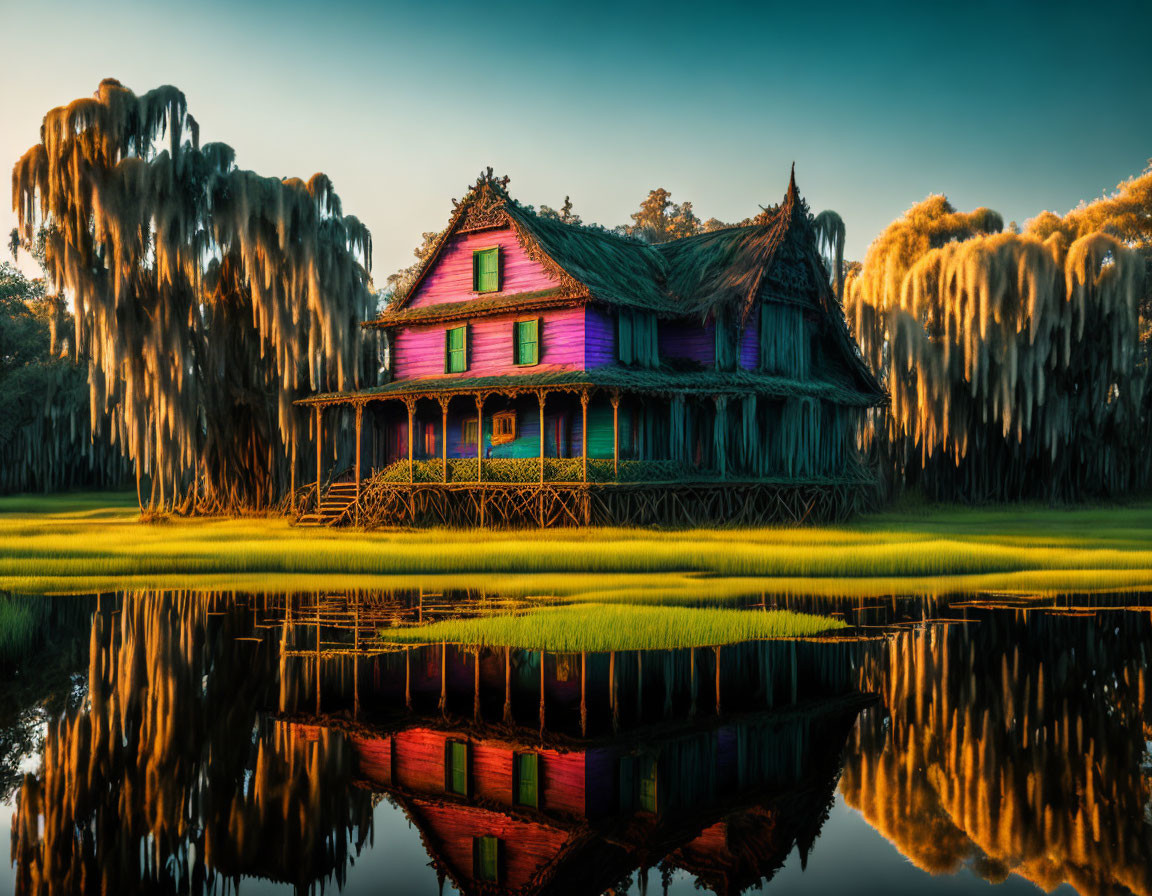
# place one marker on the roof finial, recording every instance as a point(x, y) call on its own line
point(792, 193)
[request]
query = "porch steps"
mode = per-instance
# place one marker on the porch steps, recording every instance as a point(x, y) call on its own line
point(335, 503)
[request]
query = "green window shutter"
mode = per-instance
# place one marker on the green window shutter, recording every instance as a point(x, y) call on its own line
point(486, 270)
point(456, 350)
point(646, 774)
point(527, 779)
point(457, 767)
point(527, 349)
point(624, 343)
point(486, 856)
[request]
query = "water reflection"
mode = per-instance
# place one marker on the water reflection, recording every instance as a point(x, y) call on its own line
point(215, 738)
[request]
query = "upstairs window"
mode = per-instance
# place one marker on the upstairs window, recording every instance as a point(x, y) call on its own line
point(456, 767)
point(486, 859)
point(526, 347)
point(486, 270)
point(456, 350)
point(526, 774)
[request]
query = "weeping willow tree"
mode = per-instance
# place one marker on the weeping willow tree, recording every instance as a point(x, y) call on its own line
point(1013, 362)
point(206, 297)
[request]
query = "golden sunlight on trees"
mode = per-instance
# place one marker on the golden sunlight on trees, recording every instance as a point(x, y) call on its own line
point(206, 297)
point(1014, 362)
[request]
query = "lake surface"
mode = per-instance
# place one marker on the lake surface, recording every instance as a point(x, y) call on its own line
point(191, 743)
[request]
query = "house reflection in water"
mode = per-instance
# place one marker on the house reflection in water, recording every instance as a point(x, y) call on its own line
point(531, 773)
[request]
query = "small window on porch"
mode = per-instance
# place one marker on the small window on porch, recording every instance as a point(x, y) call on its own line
point(430, 440)
point(471, 435)
point(503, 427)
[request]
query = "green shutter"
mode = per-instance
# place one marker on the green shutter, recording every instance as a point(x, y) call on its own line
point(487, 858)
point(646, 773)
point(527, 776)
point(527, 348)
point(458, 767)
point(624, 344)
point(486, 270)
point(456, 350)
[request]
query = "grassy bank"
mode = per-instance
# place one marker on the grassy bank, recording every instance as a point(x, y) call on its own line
point(599, 628)
point(82, 543)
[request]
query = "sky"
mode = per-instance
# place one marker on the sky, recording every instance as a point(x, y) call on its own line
point(1019, 107)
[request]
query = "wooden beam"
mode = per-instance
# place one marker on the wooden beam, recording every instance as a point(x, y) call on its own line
point(411, 405)
point(319, 433)
point(584, 410)
point(540, 399)
point(292, 475)
point(616, 435)
point(359, 417)
point(444, 433)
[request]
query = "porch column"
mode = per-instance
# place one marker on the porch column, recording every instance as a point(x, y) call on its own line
point(359, 417)
point(480, 438)
point(584, 410)
point(444, 433)
point(410, 403)
point(720, 435)
point(540, 399)
point(292, 474)
point(319, 433)
point(616, 435)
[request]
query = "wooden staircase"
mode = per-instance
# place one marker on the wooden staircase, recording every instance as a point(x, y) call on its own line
point(335, 505)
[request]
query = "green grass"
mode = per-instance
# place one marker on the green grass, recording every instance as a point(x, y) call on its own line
point(595, 627)
point(83, 543)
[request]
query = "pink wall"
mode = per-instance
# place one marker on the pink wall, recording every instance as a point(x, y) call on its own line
point(418, 351)
point(450, 278)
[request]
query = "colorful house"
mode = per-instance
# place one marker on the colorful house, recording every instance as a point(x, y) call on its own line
point(546, 373)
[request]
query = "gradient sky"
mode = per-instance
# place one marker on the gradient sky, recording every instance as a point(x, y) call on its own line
point(1020, 107)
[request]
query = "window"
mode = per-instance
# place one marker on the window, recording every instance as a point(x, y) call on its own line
point(456, 350)
point(471, 433)
point(526, 348)
point(526, 776)
point(486, 859)
point(646, 779)
point(486, 270)
point(430, 440)
point(503, 427)
point(456, 767)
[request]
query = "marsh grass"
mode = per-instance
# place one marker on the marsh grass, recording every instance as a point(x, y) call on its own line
point(596, 627)
point(89, 542)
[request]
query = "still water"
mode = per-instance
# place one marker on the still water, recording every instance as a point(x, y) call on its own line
point(192, 743)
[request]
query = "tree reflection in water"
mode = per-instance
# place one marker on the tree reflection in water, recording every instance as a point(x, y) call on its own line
point(1016, 744)
point(223, 737)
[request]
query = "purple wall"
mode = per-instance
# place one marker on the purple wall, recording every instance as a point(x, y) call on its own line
point(599, 338)
point(419, 351)
point(750, 342)
point(450, 278)
point(687, 339)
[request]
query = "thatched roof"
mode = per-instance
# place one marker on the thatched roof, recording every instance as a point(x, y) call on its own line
point(692, 277)
point(655, 382)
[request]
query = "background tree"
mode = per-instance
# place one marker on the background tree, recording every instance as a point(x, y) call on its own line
point(1014, 363)
point(206, 298)
point(46, 443)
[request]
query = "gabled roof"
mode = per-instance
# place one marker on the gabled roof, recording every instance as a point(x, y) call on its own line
point(690, 277)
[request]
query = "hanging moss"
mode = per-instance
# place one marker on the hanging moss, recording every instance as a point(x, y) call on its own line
point(207, 297)
point(784, 344)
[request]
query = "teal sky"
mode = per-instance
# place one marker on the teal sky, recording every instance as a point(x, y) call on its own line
point(1021, 107)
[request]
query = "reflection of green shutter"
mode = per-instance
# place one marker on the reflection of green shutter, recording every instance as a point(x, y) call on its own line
point(527, 341)
point(458, 767)
point(646, 773)
point(456, 350)
point(486, 270)
point(527, 776)
point(487, 858)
